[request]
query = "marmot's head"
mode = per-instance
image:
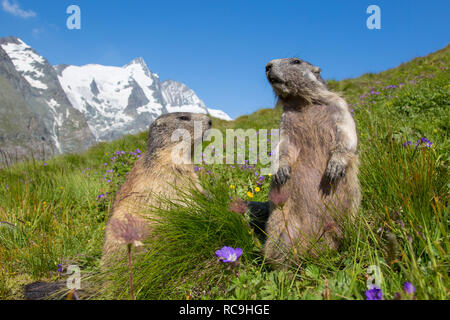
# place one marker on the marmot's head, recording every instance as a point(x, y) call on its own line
point(161, 130)
point(294, 78)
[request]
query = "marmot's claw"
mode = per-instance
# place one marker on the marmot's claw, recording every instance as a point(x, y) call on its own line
point(335, 170)
point(283, 175)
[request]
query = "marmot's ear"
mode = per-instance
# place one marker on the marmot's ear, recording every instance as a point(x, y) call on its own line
point(317, 70)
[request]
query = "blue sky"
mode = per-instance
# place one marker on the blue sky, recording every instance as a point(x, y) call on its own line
point(220, 48)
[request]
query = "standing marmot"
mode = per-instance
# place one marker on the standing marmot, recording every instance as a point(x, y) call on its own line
point(318, 162)
point(155, 174)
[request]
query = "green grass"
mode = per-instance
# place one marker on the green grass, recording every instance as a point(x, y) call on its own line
point(54, 215)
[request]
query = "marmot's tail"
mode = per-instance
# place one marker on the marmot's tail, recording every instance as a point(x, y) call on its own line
point(46, 290)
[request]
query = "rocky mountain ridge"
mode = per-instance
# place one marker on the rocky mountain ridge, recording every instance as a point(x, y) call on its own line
point(63, 109)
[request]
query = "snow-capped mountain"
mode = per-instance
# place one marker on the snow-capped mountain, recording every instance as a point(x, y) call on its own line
point(122, 100)
point(178, 97)
point(114, 100)
point(35, 112)
point(66, 108)
point(219, 114)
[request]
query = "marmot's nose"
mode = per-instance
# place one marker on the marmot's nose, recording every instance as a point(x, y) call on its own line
point(269, 66)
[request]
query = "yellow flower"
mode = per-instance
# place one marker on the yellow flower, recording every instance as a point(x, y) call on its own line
point(250, 195)
point(257, 189)
point(62, 188)
point(270, 174)
point(44, 203)
point(233, 187)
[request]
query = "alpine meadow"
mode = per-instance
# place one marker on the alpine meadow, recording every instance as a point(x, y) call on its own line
point(53, 211)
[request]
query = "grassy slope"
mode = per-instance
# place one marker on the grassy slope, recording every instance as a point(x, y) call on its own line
point(55, 215)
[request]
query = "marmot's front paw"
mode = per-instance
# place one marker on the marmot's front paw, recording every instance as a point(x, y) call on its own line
point(335, 170)
point(283, 175)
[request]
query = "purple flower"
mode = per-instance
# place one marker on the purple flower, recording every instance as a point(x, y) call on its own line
point(228, 254)
point(374, 293)
point(59, 268)
point(101, 196)
point(7, 187)
point(409, 288)
point(138, 151)
point(427, 142)
point(262, 178)
point(45, 164)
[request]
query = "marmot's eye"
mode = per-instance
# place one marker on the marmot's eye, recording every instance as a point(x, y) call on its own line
point(184, 118)
point(296, 61)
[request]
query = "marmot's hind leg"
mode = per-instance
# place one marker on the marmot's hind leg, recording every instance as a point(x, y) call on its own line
point(277, 248)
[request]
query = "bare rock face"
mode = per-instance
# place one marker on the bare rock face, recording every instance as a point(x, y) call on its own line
point(36, 117)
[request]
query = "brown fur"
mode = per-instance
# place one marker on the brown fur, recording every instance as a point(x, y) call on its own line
point(320, 192)
point(154, 175)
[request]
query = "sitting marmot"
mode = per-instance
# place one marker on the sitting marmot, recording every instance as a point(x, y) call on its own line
point(154, 175)
point(316, 183)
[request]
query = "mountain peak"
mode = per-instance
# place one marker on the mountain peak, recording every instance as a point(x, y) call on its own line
point(139, 61)
point(11, 39)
